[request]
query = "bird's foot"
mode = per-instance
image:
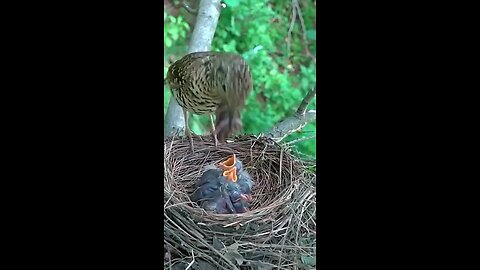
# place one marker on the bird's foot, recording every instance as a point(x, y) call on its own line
point(197, 136)
point(190, 140)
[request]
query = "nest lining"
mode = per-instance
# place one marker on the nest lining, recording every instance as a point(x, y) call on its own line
point(271, 234)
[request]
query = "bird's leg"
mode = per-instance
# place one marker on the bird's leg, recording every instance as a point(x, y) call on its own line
point(213, 130)
point(187, 129)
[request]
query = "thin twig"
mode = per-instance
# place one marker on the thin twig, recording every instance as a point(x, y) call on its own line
point(306, 100)
point(290, 29)
point(304, 31)
point(280, 166)
point(191, 263)
point(189, 9)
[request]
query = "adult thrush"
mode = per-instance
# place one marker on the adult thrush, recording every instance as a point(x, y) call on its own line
point(211, 82)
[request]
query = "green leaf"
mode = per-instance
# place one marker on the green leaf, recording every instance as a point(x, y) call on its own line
point(232, 3)
point(312, 34)
point(168, 42)
point(234, 255)
point(204, 265)
point(175, 35)
point(305, 83)
point(307, 260)
point(254, 226)
point(217, 244)
point(261, 266)
point(195, 127)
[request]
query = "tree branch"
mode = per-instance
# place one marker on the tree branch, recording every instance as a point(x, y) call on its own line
point(202, 36)
point(290, 29)
point(303, 106)
point(304, 30)
point(295, 122)
point(189, 9)
point(302, 139)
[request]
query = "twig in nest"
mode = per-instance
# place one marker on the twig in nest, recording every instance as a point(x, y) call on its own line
point(191, 263)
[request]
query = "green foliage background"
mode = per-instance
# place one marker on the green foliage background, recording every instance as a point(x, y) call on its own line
point(258, 30)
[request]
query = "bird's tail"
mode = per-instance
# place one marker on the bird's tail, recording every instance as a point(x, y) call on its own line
point(227, 122)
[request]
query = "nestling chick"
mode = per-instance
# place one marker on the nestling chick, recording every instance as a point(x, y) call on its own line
point(244, 181)
point(217, 191)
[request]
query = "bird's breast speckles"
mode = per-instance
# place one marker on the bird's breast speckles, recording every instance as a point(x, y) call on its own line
point(203, 81)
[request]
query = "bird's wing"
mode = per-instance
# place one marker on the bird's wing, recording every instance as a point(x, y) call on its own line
point(228, 201)
point(245, 182)
point(210, 176)
point(210, 167)
point(207, 185)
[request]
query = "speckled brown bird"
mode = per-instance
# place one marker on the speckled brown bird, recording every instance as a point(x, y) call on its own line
point(208, 82)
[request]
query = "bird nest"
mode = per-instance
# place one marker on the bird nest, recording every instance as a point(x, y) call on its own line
point(280, 228)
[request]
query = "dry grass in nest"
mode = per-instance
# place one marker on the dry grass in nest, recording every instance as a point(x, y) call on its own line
point(279, 231)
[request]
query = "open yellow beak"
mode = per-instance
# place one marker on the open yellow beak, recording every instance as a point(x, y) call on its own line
point(229, 163)
point(231, 174)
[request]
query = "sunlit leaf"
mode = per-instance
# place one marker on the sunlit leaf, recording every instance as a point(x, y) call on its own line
point(309, 260)
point(312, 34)
point(232, 3)
point(168, 42)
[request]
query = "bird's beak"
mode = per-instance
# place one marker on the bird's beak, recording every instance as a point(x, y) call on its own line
point(231, 174)
point(229, 163)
